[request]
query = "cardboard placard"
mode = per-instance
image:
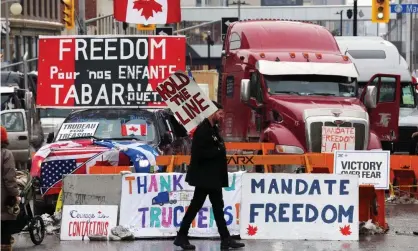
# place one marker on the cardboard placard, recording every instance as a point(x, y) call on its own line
point(372, 167)
point(73, 130)
point(186, 100)
point(338, 138)
point(80, 221)
point(299, 207)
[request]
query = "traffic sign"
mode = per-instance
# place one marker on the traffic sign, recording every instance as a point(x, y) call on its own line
point(164, 31)
point(226, 21)
point(404, 8)
point(143, 27)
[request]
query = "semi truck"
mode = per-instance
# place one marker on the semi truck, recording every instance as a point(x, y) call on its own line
point(372, 55)
point(288, 83)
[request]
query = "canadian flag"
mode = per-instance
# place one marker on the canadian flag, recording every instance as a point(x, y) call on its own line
point(133, 129)
point(147, 11)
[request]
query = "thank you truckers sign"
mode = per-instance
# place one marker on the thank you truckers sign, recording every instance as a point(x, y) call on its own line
point(106, 71)
point(372, 167)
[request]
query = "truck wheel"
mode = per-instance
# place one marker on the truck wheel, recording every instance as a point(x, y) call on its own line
point(173, 201)
point(375, 207)
point(161, 204)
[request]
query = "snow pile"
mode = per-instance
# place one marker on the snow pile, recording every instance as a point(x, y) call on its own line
point(52, 223)
point(405, 199)
point(368, 228)
point(119, 233)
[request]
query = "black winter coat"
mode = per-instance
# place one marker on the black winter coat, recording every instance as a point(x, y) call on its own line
point(208, 165)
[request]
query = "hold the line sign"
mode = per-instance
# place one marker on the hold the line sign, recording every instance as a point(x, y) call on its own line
point(372, 167)
point(186, 100)
point(106, 71)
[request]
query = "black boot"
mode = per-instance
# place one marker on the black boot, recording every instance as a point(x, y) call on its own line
point(230, 243)
point(183, 242)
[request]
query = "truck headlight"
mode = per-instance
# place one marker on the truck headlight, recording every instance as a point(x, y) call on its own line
point(289, 149)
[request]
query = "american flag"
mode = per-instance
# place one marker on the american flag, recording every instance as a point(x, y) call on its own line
point(71, 161)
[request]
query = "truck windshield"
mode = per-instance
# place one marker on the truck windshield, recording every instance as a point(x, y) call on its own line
point(315, 85)
point(407, 93)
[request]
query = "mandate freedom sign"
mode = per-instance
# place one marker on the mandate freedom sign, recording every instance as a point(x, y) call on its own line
point(186, 100)
point(299, 207)
point(372, 167)
point(80, 221)
point(106, 71)
point(74, 130)
point(153, 205)
point(338, 138)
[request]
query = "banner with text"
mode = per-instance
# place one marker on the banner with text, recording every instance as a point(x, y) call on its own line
point(299, 207)
point(186, 100)
point(372, 167)
point(153, 205)
point(104, 71)
point(80, 221)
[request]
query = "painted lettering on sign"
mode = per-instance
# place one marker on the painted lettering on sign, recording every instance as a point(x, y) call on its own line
point(154, 205)
point(185, 98)
point(106, 71)
point(338, 138)
point(240, 160)
point(276, 206)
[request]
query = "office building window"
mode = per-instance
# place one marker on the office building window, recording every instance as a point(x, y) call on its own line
point(46, 8)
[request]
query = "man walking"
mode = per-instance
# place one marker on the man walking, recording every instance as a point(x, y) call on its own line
point(208, 173)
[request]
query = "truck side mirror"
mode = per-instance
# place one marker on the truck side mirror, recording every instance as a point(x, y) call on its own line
point(50, 138)
point(28, 100)
point(245, 90)
point(370, 99)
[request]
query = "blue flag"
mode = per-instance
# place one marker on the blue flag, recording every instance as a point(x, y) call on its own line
point(141, 155)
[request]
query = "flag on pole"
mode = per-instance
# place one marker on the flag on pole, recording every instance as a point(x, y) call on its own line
point(147, 11)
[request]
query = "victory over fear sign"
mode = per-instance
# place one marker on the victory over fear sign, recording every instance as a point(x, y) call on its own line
point(103, 71)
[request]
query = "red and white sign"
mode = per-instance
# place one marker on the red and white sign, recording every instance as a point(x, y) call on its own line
point(147, 11)
point(186, 100)
point(80, 221)
point(106, 71)
point(132, 129)
point(338, 138)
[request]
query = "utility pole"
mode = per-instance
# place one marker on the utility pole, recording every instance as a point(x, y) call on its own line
point(210, 42)
point(355, 18)
point(239, 10)
point(341, 21)
point(82, 17)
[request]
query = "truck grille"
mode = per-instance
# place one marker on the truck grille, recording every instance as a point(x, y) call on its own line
point(316, 134)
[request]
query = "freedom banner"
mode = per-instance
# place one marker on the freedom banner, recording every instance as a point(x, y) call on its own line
point(153, 205)
point(186, 100)
point(106, 71)
point(372, 167)
point(299, 207)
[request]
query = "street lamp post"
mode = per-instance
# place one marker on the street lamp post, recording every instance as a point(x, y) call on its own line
point(15, 9)
point(341, 21)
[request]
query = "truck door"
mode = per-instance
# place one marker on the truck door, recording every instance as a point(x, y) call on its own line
point(16, 125)
point(384, 117)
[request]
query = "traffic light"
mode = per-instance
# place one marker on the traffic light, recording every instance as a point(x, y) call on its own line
point(68, 13)
point(349, 13)
point(380, 11)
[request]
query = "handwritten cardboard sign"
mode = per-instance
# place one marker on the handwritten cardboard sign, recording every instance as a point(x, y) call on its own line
point(184, 97)
point(80, 221)
point(74, 130)
point(338, 138)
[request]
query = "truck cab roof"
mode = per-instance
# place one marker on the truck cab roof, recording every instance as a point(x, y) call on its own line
point(288, 36)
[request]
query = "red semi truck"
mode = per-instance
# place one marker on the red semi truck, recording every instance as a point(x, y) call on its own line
point(288, 83)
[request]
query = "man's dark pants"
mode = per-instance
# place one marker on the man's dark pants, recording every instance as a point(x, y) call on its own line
point(199, 197)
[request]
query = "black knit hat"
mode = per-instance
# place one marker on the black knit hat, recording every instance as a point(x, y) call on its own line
point(219, 106)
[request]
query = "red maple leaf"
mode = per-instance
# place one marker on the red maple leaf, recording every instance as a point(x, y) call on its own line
point(345, 230)
point(99, 212)
point(148, 7)
point(251, 230)
point(133, 129)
